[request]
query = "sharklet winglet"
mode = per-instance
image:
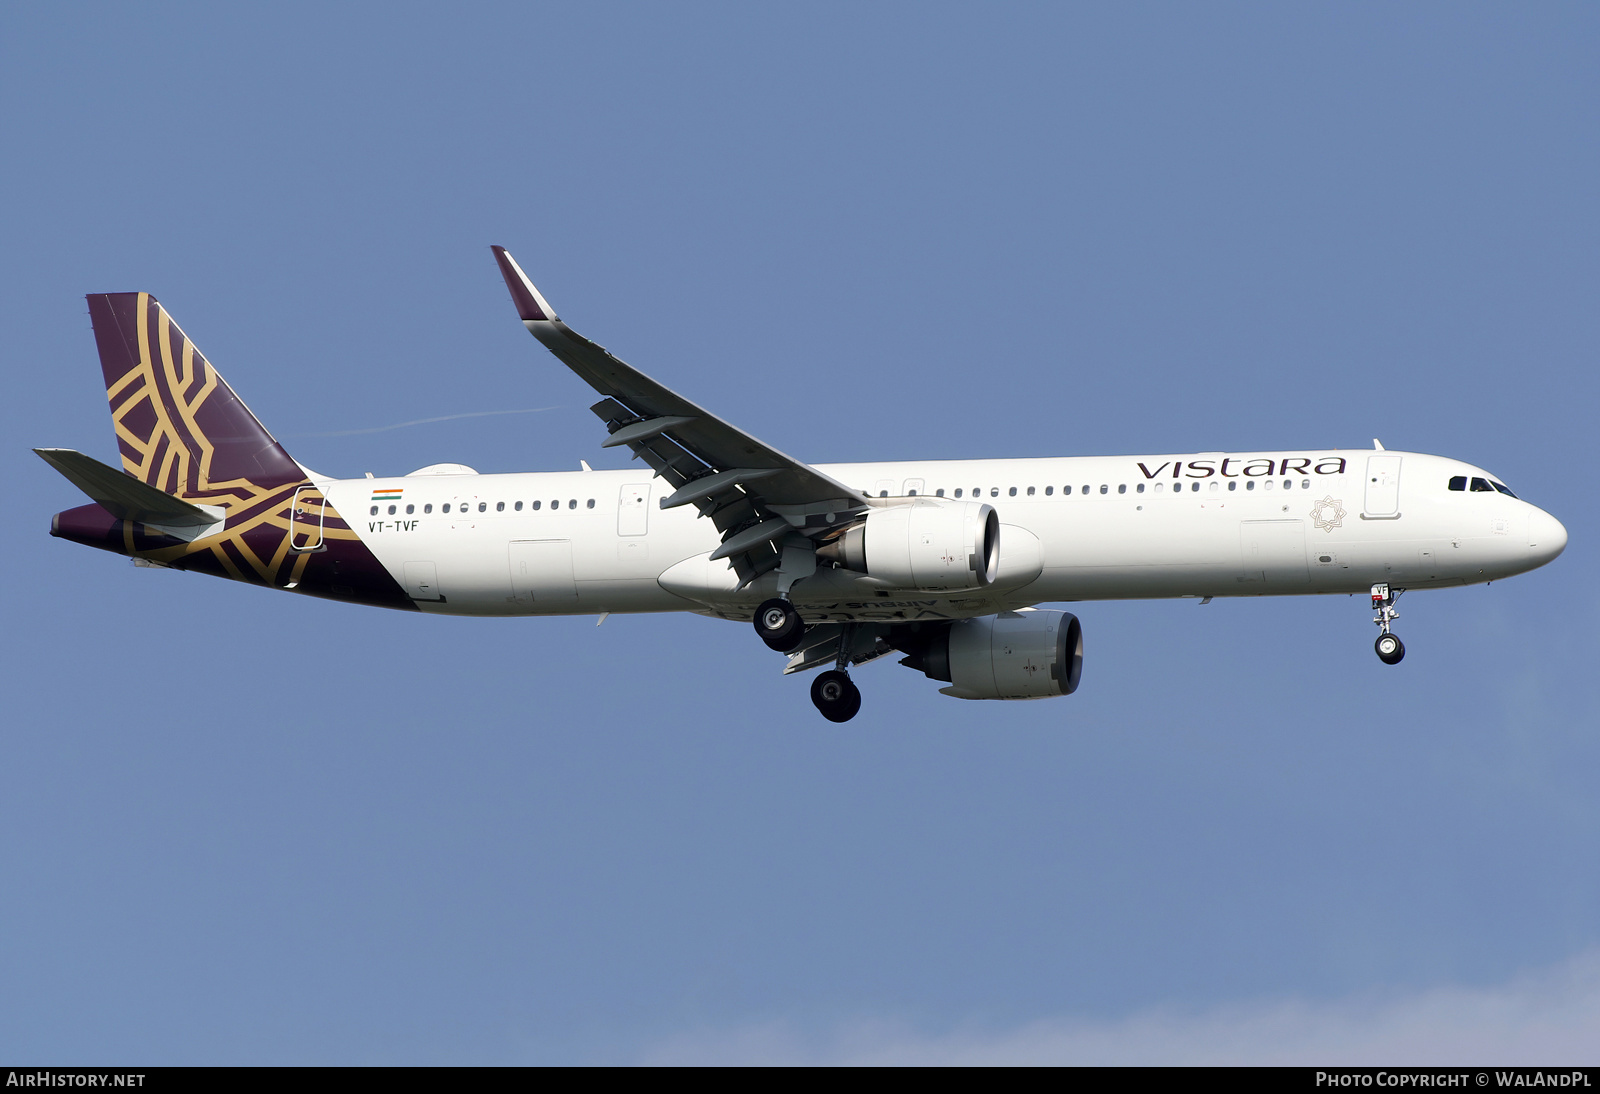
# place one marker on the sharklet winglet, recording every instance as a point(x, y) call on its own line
point(531, 306)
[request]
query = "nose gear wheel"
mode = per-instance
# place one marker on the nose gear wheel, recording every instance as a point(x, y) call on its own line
point(1388, 646)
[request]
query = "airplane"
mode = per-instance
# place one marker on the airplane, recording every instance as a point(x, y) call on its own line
point(835, 565)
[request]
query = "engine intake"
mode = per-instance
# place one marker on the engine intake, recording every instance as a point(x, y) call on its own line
point(1013, 655)
point(930, 544)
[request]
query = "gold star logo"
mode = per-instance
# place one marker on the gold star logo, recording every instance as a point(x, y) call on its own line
point(1328, 514)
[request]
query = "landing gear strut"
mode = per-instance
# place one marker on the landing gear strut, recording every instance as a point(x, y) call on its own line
point(1390, 648)
point(779, 625)
point(833, 692)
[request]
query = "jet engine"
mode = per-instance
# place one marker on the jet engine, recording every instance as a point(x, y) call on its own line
point(931, 544)
point(1014, 655)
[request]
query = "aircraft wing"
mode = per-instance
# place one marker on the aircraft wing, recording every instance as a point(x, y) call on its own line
point(755, 494)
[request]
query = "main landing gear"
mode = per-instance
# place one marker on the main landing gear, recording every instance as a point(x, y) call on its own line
point(779, 625)
point(1390, 648)
point(836, 695)
point(833, 693)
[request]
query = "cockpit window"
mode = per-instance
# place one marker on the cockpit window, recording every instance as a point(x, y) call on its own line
point(1502, 487)
point(1458, 482)
point(1481, 486)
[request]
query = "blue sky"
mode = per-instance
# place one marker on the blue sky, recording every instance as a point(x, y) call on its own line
point(242, 827)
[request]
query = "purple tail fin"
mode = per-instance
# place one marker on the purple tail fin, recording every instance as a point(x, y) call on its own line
point(179, 425)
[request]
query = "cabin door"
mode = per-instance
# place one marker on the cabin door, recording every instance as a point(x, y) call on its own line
point(1383, 488)
point(305, 519)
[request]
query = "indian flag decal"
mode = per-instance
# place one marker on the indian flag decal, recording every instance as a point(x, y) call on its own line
point(388, 495)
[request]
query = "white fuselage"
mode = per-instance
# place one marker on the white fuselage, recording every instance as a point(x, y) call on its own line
point(1080, 528)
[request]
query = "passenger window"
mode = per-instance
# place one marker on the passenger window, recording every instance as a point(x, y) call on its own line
point(518, 507)
point(537, 504)
point(883, 493)
point(1458, 482)
point(1049, 491)
point(1481, 486)
point(1013, 492)
point(391, 510)
point(994, 491)
point(483, 507)
point(499, 507)
point(373, 511)
point(410, 509)
point(446, 508)
point(1122, 488)
point(1305, 484)
point(572, 503)
point(1233, 484)
point(1500, 486)
point(1251, 485)
point(1085, 489)
point(1104, 489)
point(958, 491)
point(1267, 485)
point(939, 493)
point(591, 503)
point(555, 503)
point(1160, 486)
point(1140, 488)
point(1215, 486)
point(428, 508)
point(1195, 487)
point(1288, 484)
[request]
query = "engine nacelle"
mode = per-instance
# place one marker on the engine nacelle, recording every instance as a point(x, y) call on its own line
point(930, 544)
point(1013, 655)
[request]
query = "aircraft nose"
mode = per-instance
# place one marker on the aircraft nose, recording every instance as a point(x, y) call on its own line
point(1547, 537)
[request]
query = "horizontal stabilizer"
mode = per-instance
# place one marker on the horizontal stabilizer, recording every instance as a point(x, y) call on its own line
point(125, 497)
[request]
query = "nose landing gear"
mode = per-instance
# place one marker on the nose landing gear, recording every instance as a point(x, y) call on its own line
point(1388, 646)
